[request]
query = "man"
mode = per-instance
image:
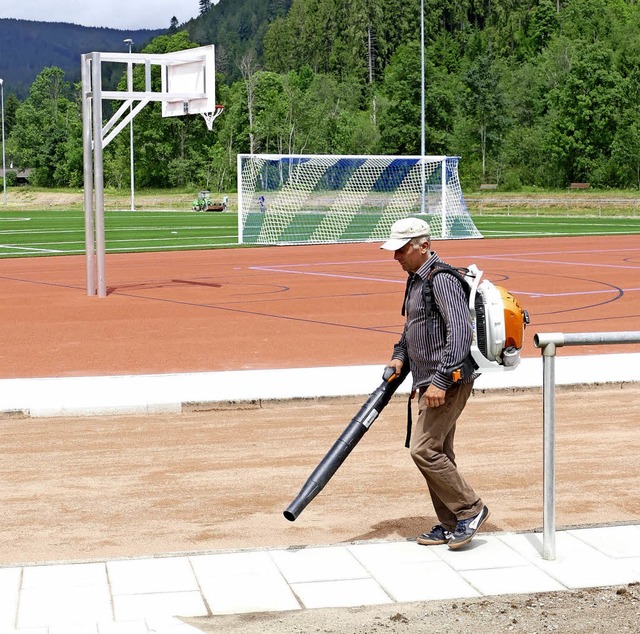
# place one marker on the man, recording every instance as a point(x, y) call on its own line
point(434, 345)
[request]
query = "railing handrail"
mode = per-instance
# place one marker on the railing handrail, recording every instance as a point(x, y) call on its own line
point(560, 339)
point(548, 342)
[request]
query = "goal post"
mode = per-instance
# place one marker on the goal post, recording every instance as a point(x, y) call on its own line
point(316, 199)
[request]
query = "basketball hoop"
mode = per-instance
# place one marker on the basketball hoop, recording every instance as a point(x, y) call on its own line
point(210, 117)
point(188, 86)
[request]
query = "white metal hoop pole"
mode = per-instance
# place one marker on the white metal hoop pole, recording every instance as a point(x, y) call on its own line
point(87, 138)
point(98, 175)
point(129, 43)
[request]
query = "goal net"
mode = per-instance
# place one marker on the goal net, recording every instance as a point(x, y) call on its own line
point(315, 199)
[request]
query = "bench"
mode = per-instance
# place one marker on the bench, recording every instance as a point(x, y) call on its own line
point(488, 186)
point(579, 186)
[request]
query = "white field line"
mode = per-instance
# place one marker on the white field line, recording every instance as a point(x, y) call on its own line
point(30, 249)
point(296, 269)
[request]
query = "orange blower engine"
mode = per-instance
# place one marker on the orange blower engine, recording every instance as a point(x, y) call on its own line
point(499, 322)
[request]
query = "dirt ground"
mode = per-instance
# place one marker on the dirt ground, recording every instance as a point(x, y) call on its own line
point(581, 612)
point(219, 478)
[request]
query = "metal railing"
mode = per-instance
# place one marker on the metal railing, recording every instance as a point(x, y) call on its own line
point(548, 343)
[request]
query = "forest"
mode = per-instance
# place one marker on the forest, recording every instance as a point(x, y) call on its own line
point(529, 93)
point(26, 47)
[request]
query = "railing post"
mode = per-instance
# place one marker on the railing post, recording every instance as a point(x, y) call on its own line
point(549, 452)
point(548, 343)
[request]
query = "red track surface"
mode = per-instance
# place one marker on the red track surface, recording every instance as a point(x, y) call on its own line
point(286, 307)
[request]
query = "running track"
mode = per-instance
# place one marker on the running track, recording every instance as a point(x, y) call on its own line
point(286, 307)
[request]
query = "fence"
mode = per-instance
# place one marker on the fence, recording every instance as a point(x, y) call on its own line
point(548, 344)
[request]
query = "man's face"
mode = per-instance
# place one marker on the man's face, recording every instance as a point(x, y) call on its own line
point(411, 257)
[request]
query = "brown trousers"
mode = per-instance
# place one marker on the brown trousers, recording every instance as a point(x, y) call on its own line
point(432, 451)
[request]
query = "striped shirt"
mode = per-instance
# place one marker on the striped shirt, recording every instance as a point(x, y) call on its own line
point(433, 355)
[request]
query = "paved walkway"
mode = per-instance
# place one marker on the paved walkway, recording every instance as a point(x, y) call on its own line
point(139, 596)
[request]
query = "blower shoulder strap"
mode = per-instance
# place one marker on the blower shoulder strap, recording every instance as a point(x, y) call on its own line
point(467, 366)
point(427, 289)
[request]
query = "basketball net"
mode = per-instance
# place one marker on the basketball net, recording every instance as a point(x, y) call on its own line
point(210, 117)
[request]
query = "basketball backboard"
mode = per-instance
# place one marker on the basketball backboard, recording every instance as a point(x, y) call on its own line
point(189, 82)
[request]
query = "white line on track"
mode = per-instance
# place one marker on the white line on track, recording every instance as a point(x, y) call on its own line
point(606, 291)
point(30, 249)
point(341, 276)
point(278, 269)
point(599, 265)
point(294, 269)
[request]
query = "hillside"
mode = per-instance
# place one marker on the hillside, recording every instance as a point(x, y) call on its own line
point(535, 94)
point(26, 47)
point(236, 27)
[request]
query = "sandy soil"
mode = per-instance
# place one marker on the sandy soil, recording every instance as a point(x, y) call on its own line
point(85, 488)
point(580, 612)
point(218, 479)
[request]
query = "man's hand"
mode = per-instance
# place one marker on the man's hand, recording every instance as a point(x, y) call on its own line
point(434, 396)
point(396, 364)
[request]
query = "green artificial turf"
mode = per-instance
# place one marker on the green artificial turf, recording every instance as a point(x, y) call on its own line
point(44, 232)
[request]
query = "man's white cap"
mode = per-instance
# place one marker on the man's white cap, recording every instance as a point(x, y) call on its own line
point(403, 230)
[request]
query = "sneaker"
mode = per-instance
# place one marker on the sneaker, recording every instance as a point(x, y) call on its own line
point(466, 529)
point(437, 535)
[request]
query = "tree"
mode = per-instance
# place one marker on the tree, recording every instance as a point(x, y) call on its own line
point(271, 108)
point(11, 105)
point(583, 113)
point(340, 37)
point(625, 150)
point(365, 18)
point(46, 126)
point(204, 5)
point(543, 24)
point(400, 119)
point(484, 104)
point(248, 67)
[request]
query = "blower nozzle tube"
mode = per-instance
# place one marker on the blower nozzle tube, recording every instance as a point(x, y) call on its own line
point(349, 438)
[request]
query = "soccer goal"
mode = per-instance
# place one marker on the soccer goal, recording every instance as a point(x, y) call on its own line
point(315, 199)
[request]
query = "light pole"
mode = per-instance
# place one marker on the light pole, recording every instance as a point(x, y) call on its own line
point(422, 105)
point(4, 164)
point(129, 42)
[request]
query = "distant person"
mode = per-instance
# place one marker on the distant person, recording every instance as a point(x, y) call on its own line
point(433, 347)
point(262, 204)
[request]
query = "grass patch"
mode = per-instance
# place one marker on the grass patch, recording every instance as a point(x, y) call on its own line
point(38, 224)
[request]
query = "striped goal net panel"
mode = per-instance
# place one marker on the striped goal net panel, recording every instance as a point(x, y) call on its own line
point(316, 199)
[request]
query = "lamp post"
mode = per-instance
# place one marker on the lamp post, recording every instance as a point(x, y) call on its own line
point(422, 105)
point(4, 165)
point(129, 42)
